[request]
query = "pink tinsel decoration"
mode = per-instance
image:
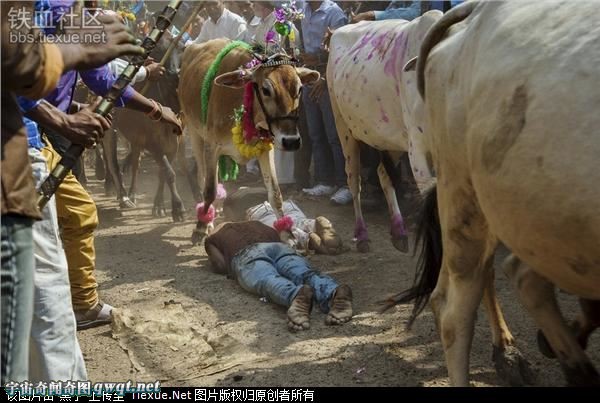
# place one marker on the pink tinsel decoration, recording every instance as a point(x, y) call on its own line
point(221, 192)
point(250, 132)
point(284, 223)
point(205, 217)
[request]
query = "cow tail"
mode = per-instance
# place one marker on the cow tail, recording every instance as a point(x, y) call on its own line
point(435, 35)
point(428, 241)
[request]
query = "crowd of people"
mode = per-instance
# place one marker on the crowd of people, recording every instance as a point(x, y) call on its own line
point(49, 290)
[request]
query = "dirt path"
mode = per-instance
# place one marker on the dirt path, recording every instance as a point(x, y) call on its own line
point(186, 326)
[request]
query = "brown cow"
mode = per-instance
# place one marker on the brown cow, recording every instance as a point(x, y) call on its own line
point(279, 87)
point(155, 137)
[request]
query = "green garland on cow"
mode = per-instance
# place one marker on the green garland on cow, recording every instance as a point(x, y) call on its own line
point(228, 169)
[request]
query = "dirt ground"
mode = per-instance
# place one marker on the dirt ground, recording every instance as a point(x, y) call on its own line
point(180, 323)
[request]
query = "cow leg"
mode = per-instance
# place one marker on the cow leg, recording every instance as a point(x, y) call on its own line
point(135, 165)
point(510, 364)
point(209, 167)
point(462, 278)
point(537, 295)
point(109, 183)
point(198, 149)
point(158, 208)
point(583, 326)
point(351, 150)
point(398, 230)
point(177, 208)
point(190, 174)
point(266, 162)
point(99, 167)
point(110, 148)
point(588, 321)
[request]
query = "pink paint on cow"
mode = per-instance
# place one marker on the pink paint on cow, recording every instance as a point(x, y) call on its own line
point(393, 65)
point(397, 229)
point(360, 230)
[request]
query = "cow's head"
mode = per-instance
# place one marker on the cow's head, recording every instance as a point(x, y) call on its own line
point(277, 88)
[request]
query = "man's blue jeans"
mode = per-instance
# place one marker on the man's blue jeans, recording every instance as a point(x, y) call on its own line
point(17, 296)
point(276, 271)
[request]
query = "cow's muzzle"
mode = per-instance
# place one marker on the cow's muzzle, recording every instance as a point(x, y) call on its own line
point(291, 143)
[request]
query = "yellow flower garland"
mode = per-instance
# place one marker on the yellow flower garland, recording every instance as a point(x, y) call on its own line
point(249, 150)
point(128, 15)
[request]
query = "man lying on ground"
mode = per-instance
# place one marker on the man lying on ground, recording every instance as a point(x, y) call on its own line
point(311, 234)
point(252, 253)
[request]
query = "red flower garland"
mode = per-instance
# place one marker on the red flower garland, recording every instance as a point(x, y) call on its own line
point(248, 128)
point(284, 223)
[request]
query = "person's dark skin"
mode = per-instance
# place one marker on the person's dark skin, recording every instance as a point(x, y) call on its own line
point(154, 70)
point(214, 9)
point(366, 16)
point(140, 103)
point(119, 42)
point(84, 127)
point(87, 127)
point(246, 10)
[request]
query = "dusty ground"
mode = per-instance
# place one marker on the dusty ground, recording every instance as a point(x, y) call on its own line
point(186, 326)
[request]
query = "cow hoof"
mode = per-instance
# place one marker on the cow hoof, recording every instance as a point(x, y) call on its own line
point(159, 211)
point(198, 237)
point(401, 243)
point(177, 211)
point(544, 346)
point(363, 246)
point(126, 203)
point(512, 367)
point(177, 216)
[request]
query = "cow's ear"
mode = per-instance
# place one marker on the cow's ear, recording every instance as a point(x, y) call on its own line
point(234, 79)
point(411, 64)
point(307, 76)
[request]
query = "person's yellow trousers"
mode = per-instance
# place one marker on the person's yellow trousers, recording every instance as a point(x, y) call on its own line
point(77, 219)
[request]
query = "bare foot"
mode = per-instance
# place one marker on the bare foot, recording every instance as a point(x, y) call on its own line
point(299, 312)
point(341, 306)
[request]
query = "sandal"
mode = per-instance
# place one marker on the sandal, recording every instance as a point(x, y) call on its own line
point(99, 315)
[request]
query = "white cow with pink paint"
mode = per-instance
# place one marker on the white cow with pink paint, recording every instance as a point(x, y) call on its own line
point(375, 102)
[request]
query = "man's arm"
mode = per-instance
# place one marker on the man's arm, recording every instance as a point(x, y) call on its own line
point(84, 127)
point(216, 258)
point(100, 80)
point(32, 69)
point(28, 67)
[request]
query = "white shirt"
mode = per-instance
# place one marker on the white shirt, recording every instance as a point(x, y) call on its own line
point(229, 25)
point(117, 66)
point(251, 28)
